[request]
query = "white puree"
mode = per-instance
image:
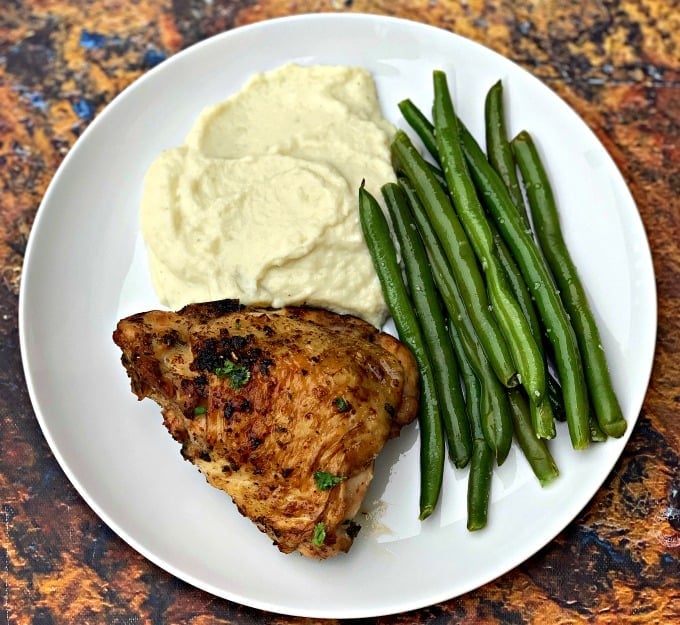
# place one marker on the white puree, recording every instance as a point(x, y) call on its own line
point(261, 202)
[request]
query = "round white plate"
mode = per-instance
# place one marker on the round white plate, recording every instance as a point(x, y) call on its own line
point(85, 268)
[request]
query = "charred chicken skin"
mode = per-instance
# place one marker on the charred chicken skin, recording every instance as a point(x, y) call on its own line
point(283, 409)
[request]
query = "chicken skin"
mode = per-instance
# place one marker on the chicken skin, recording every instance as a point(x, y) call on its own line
point(283, 409)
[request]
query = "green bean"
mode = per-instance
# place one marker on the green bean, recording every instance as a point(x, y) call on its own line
point(481, 464)
point(498, 149)
point(543, 419)
point(535, 450)
point(517, 284)
point(429, 312)
point(383, 253)
point(549, 234)
point(597, 435)
point(495, 413)
point(422, 126)
point(523, 346)
point(434, 200)
point(479, 485)
point(470, 381)
point(529, 259)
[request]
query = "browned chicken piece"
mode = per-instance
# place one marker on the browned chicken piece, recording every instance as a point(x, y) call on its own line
point(283, 409)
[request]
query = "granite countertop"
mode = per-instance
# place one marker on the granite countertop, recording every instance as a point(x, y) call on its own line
point(617, 63)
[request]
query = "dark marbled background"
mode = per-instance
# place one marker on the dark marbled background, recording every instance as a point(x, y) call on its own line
point(616, 62)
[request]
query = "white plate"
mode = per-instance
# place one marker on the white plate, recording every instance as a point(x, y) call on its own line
point(85, 268)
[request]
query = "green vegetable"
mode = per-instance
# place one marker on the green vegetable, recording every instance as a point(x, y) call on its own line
point(199, 410)
point(319, 535)
point(421, 125)
point(429, 311)
point(498, 203)
point(479, 485)
point(341, 404)
point(597, 435)
point(525, 351)
point(462, 261)
point(535, 450)
point(517, 285)
point(383, 253)
point(496, 420)
point(238, 375)
point(481, 463)
point(498, 149)
point(549, 234)
point(325, 480)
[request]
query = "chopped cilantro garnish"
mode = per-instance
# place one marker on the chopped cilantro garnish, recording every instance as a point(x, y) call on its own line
point(325, 480)
point(200, 410)
point(341, 404)
point(319, 534)
point(238, 375)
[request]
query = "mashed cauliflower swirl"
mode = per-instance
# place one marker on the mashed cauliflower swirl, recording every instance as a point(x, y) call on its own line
point(260, 203)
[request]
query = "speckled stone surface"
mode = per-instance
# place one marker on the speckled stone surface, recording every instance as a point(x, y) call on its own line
point(616, 63)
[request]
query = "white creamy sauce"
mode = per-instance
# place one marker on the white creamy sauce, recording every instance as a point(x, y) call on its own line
point(261, 202)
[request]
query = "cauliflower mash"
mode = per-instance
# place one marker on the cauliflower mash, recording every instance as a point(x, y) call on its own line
point(261, 202)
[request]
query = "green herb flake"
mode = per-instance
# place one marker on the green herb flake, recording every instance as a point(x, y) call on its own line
point(325, 480)
point(199, 410)
point(319, 534)
point(238, 374)
point(341, 404)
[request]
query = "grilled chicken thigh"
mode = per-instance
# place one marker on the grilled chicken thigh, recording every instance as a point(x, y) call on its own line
point(283, 409)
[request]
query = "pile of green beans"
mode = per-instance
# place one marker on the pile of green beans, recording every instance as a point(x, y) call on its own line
point(489, 300)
